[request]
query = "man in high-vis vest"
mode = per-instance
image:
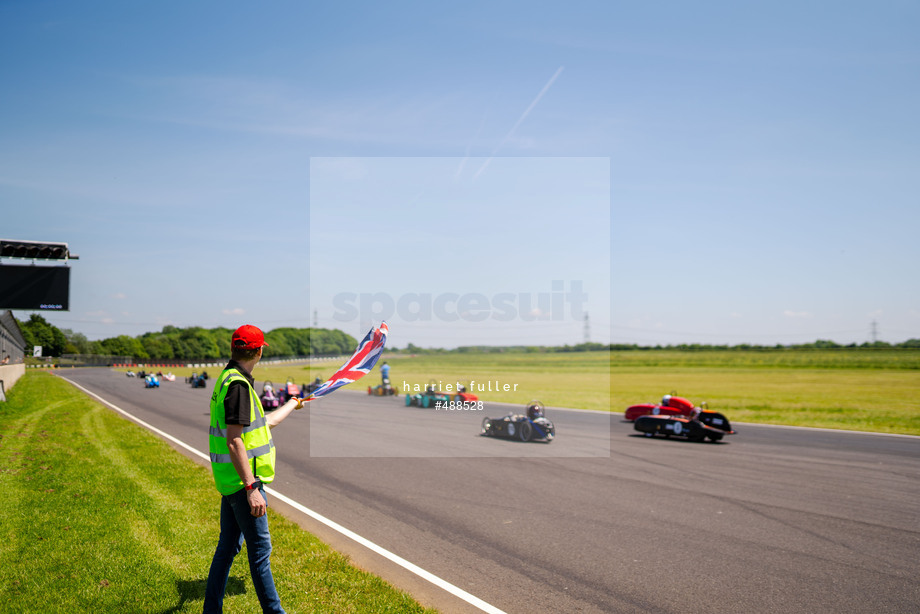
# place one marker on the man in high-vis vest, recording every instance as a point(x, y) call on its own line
point(242, 461)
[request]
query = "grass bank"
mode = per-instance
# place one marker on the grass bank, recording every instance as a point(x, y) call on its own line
point(101, 516)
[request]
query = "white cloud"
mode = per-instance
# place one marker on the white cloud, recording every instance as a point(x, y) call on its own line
point(236, 311)
point(796, 314)
point(120, 295)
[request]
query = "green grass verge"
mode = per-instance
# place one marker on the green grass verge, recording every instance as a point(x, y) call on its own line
point(98, 515)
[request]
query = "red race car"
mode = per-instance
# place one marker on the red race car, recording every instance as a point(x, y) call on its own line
point(670, 406)
point(461, 395)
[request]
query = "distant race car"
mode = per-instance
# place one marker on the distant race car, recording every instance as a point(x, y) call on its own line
point(270, 399)
point(151, 381)
point(461, 395)
point(288, 390)
point(197, 381)
point(532, 425)
point(308, 389)
point(706, 424)
point(430, 398)
point(130, 373)
point(383, 390)
point(169, 377)
point(670, 406)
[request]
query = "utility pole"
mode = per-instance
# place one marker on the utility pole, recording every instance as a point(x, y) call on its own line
point(315, 318)
point(587, 329)
point(874, 331)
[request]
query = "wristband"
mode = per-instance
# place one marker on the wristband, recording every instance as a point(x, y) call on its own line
point(254, 485)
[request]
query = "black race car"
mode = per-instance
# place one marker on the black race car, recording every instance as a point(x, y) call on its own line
point(197, 381)
point(707, 424)
point(307, 389)
point(532, 425)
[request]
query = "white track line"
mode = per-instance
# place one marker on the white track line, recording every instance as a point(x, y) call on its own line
point(426, 575)
point(139, 421)
point(826, 430)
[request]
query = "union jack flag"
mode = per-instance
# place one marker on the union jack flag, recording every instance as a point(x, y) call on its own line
point(359, 365)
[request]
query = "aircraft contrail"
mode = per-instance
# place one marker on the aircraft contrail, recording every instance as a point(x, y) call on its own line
point(520, 119)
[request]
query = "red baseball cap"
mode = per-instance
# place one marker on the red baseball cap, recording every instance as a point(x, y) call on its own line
point(248, 337)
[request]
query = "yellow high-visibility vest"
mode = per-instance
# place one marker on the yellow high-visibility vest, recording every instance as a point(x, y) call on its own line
point(257, 437)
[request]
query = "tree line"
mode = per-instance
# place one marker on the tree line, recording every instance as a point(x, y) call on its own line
point(196, 343)
point(182, 344)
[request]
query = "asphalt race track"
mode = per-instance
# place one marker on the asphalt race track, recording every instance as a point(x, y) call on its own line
point(600, 520)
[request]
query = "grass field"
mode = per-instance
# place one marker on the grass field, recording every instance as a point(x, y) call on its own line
point(872, 390)
point(863, 400)
point(858, 389)
point(98, 515)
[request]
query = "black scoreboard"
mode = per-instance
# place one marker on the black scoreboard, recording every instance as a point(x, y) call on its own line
point(34, 287)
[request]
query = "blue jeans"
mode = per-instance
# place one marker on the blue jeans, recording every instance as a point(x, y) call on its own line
point(237, 524)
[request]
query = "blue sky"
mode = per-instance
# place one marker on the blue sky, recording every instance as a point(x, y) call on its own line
point(762, 162)
point(519, 248)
